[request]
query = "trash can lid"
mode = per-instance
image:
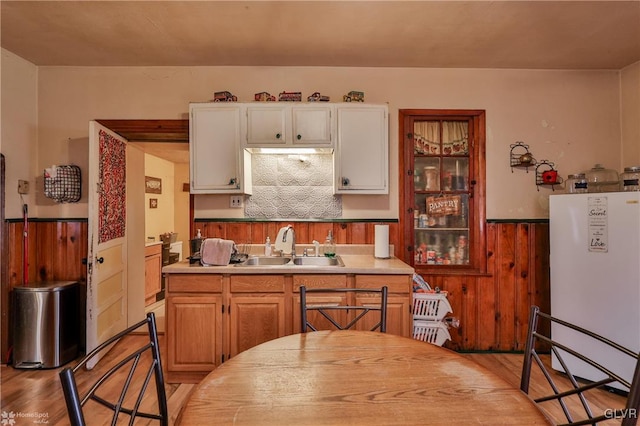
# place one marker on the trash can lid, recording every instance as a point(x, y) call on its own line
point(46, 286)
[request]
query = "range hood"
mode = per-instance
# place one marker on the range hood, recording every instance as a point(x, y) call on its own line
point(290, 150)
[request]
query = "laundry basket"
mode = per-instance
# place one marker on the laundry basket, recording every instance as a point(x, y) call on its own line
point(431, 306)
point(435, 332)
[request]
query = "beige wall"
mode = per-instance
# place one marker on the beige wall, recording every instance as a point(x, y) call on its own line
point(630, 117)
point(19, 130)
point(181, 206)
point(571, 118)
point(161, 219)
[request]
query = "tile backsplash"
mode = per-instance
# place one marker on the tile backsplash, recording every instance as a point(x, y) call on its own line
point(293, 187)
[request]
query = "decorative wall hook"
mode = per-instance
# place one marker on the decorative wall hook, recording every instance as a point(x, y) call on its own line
point(519, 156)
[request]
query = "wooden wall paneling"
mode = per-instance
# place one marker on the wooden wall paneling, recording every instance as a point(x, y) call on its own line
point(487, 326)
point(240, 232)
point(469, 311)
point(522, 296)
point(72, 241)
point(361, 233)
point(453, 285)
point(504, 285)
point(302, 233)
point(15, 270)
point(319, 230)
point(213, 229)
point(46, 245)
point(539, 283)
point(32, 237)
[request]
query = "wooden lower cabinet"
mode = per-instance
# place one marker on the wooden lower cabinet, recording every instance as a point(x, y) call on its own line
point(399, 316)
point(317, 281)
point(256, 311)
point(212, 317)
point(194, 326)
point(152, 273)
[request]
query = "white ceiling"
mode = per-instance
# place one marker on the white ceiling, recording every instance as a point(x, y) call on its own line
point(464, 34)
point(444, 34)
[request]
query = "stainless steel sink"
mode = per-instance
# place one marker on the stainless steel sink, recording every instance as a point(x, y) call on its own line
point(265, 261)
point(286, 261)
point(318, 261)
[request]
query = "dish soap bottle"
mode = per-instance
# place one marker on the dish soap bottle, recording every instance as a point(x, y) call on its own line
point(330, 246)
point(267, 247)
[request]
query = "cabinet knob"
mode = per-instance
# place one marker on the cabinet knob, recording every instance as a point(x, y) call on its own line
point(345, 181)
point(100, 259)
point(278, 135)
point(233, 181)
point(299, 137)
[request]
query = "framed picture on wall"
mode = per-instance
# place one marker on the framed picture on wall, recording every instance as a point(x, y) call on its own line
point(153, 203)
point(152, 185)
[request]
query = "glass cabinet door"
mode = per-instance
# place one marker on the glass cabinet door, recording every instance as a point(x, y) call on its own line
point(441, 188)
point(440, 184)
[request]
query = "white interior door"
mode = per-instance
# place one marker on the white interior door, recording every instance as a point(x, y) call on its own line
point(107, 257)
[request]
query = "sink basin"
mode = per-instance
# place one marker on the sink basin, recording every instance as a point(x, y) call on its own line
point(265, 261)
point(298, 261)
point(318, 261)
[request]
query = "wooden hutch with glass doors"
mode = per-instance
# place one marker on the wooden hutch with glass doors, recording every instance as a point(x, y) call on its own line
point(442, 163)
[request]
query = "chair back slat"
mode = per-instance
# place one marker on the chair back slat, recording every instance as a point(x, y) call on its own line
point(134, 361)
point(335, 312)
point(580, 388)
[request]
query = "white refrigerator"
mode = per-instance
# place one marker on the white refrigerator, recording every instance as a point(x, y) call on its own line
point(595, 275)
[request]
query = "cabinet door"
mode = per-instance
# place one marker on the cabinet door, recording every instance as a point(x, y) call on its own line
point(267, 125)
point(318, 281)
point(255, 319)
point(311, 125)
point(217, 159)
point(189, 348)
point(290, 126)
point(152, 275)
point(399, 314)
point(362, 149)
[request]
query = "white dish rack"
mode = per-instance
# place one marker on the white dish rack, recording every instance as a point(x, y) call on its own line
point(431, 306)
point(436, 332)
point(429, 311)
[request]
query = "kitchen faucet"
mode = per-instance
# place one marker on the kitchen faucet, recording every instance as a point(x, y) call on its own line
point(293, 240)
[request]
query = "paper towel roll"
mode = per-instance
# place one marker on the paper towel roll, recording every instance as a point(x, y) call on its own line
point(381, 250)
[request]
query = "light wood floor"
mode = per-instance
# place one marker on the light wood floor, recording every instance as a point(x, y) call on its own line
point(38, 392)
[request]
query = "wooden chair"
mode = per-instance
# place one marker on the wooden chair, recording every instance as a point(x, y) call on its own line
point(580, 388)
point(132, 371)
point(331, 311)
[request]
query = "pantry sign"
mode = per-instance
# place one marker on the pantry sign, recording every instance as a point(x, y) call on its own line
point(446, 205)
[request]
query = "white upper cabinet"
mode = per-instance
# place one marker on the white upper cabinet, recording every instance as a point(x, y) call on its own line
point(218, 162)
point(287, 126)
point(362, 149)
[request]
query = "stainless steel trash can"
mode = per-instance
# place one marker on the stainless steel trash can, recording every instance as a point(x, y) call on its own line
point(45, 324)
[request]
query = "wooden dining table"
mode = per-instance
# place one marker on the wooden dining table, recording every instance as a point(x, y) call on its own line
point(355, 378)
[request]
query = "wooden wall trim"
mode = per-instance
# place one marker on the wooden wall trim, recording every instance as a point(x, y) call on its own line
point(4, 251)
